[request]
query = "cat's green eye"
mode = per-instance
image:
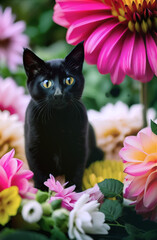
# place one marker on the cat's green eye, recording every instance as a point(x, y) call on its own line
point(47, 83)
point(69, 81)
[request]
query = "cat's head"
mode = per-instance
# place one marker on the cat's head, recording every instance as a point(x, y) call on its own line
point(57, 82)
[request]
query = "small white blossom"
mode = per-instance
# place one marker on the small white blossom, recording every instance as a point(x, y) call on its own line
point(85, 218)
point(32, 211)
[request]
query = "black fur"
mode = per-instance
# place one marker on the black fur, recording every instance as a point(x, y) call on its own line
point(56, 124)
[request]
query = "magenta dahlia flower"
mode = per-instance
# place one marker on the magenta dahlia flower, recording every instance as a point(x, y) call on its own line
point(12, 98)
point(140, 157)
point(119, 36)
point(12, 40)
point(13, 174)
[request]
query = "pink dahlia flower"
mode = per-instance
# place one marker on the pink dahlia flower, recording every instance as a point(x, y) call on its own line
point(13, 174)
point(140, 157)
point(12, 98)
point(67, 195)
point(12, 40)
point(119, 36)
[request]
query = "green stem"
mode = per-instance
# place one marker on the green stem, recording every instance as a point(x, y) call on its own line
point(117, 224)
point(143, 100)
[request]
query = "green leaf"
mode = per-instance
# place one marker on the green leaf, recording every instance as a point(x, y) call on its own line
point(58, 235)
point(132, 230)
point(154, 127)
point(112, 209)
point(47, 223)
point(152, 234)
point(111, 187)
point(24, 235)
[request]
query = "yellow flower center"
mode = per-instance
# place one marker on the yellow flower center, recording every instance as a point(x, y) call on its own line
point(139, 15)
point(100, 170)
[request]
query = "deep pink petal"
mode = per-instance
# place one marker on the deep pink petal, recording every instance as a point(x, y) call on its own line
point(5, 159)
point(21, 183)
point(110, 51)
point(3, 179)
point(127, 52)
point(151, 53)
point(82, 28)
point(67, 12)
point(117, 74)
point(95, 41)
point(139, 58)
point(11, 168)
point(27, 174)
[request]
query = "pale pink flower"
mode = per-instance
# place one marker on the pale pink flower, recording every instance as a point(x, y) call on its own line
point(13, 174)
point(140, 157)
point(94, 194)
point(119, 36)
point(13, 98)
point(12, 40)
point(67, 195)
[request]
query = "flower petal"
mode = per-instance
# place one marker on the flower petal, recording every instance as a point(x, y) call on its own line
point(111, 50)
point(139, 58)
point(95, 41)
point(139, 169)
point(135, 188)
point(3, 179)
point(150, 194)
point(129, 154)
point(127, 52)
point(151, 53)
point(82, 28)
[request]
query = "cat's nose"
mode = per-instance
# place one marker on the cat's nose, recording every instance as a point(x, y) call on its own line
point(58, 96)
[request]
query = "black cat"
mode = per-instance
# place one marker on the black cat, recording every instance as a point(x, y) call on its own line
point(58, 138)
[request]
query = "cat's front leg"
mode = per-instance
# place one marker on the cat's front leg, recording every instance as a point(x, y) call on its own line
point(74, 163)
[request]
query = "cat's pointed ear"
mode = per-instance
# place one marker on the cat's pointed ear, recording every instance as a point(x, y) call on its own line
point(76, 57)
point(31, 62)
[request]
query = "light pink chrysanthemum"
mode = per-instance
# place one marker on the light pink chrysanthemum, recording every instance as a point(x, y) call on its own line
point(12, 40)
point(12, 98)
point(119, 36)
point(140, 157)
point(13, 174)
point(67, 195)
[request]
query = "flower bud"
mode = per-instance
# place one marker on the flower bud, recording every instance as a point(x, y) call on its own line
point(47, 209)
point(61, 217)
point(41, 196)
point(55, 204)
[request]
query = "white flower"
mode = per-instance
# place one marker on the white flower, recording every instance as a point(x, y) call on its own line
point(85, 218)
point(32, 211)
point(113, 123)
point(11, 135)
